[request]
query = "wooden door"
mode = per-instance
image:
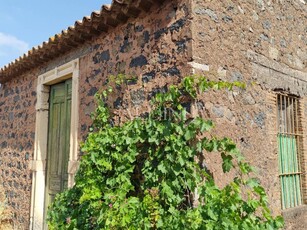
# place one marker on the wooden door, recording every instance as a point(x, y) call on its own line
point(58, 140)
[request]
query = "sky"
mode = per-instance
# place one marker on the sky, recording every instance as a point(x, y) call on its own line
point(27, 23)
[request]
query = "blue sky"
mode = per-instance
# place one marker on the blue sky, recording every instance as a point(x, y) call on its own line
point(27, 23)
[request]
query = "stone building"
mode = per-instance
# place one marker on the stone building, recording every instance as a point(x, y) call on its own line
point(47, 95)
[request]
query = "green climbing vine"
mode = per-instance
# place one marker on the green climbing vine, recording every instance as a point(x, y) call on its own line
point(149, 173)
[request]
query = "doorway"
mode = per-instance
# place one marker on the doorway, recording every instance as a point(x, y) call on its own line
point(57, 90)
point(58, 140)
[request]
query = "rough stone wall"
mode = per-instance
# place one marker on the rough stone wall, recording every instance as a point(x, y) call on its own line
point(264, 44)
point(225, 30)
point(154, 49)
point(17, 133)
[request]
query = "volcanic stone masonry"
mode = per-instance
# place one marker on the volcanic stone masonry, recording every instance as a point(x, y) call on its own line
point(260, 42)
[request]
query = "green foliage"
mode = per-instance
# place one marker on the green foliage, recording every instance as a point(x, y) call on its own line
point(148, 173)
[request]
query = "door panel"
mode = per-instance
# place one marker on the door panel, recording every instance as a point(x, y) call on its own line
point(58, 140)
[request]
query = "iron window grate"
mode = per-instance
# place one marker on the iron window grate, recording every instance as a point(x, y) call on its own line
point(289, 150)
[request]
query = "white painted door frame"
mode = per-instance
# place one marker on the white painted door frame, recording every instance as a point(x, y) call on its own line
point(38, 164)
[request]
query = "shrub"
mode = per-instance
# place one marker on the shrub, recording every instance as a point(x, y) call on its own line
point(148, 173)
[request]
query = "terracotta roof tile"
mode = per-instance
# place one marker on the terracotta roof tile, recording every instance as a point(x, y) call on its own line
point(98, 22)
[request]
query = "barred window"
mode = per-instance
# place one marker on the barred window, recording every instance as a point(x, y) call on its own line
point(289, 150)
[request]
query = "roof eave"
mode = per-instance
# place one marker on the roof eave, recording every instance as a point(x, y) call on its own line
point(109, 17)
